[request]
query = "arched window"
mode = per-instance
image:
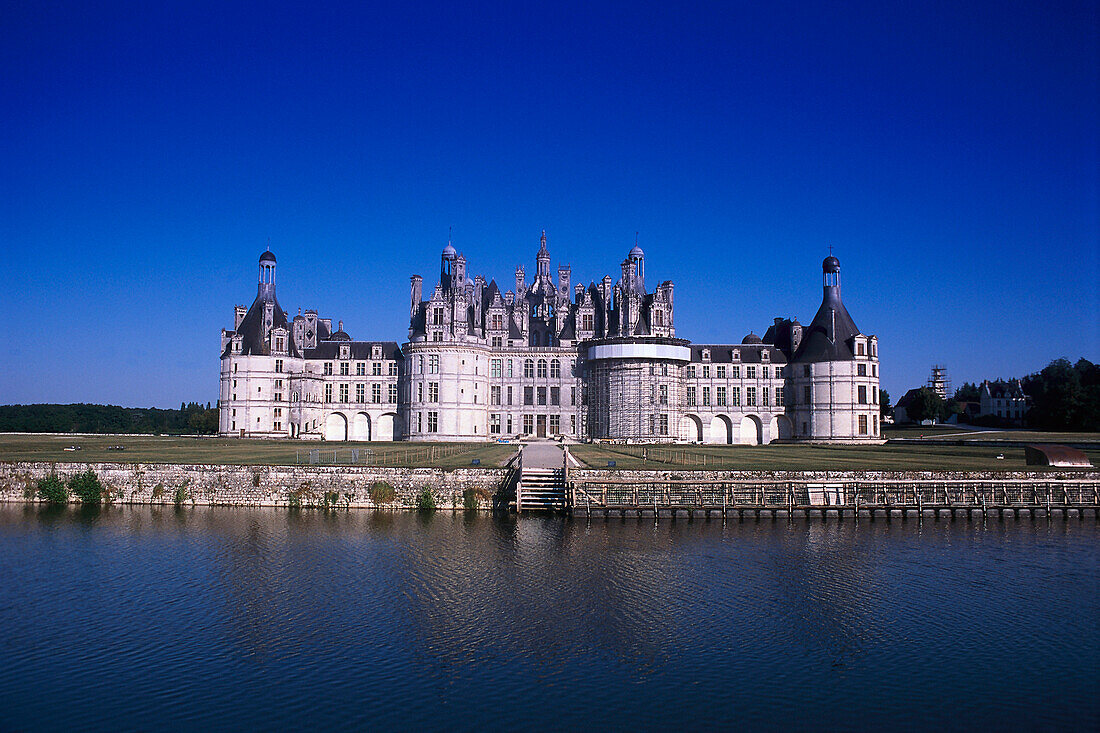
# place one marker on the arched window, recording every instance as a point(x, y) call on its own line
point(528, 368)
point(542, 368)
point(555, 368)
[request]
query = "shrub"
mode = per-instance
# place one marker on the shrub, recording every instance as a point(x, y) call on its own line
point(425, 500)
point(87, 487)
point(255, 478)
point(331, 498)
point(53, 489)
point(382, 493)
point(470, 501)
point(158, 491)
point(182, 494)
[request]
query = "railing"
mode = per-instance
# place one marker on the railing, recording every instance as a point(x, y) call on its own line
point(418, 456)
point(998, 494)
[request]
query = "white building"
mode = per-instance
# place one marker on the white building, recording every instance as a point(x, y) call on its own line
point(549, 357)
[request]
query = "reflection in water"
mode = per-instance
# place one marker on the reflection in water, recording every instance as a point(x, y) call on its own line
point(250, 618)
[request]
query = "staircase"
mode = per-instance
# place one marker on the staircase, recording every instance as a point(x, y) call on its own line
point(541, 490)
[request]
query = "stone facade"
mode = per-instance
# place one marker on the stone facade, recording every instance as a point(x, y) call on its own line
point(549, 357)
point(343, 486)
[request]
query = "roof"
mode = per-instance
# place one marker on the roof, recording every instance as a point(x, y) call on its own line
point(907, 398)
point(750, 354)
point(828, 337)
point(267, 256)
point(1061, 456)
point(251, 329)
point(359, 349)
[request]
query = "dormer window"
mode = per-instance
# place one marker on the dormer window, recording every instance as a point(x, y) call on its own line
point(345, 351)
point(376, 351)
point(736, 355)
point(860, 348)
point(706, 354)
point(765, 355)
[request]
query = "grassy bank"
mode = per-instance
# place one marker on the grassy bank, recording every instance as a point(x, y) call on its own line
point(811, 457)
point(233, 451)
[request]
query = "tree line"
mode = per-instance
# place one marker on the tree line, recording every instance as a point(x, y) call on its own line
point(192, 418)
point(1064, 396)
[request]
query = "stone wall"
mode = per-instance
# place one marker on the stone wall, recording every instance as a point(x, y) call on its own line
point(343, 486)
point(590, 474)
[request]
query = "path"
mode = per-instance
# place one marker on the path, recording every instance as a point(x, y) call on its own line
point(542, 455)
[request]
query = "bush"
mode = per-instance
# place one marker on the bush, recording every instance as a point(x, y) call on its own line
point(382, 493)
point(53, 490)
point(331, 498)
point(182, 494)
point(425, 500)
point(470, 501)
point(87, 487)
point(158, 491)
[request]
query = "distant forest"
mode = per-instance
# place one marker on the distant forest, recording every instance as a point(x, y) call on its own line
point(191, 418)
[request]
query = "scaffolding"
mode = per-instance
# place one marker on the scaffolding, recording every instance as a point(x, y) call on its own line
point(938, 382)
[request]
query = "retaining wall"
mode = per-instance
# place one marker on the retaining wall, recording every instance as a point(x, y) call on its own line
point(344, 486)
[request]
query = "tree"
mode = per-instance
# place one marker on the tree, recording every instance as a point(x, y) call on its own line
point(884, 408)
point(968, 392)
point(1065, 396)
point(926, 405)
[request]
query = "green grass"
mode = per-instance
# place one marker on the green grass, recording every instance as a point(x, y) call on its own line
point(235, 451)
point(955, 432)
point(812, 457)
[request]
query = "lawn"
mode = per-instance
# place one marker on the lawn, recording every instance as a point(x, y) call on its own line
point(789, 457)
point(236, 451)
point(955, 432)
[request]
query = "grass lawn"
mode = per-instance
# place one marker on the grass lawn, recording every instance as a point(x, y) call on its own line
point(157, 449)
point(955, 432)
point(811, 457)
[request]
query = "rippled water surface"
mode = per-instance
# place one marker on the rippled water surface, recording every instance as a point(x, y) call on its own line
point(151, 618)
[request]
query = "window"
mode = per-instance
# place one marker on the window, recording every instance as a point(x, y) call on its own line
point(278, 396)
point(344, 392)
point(555, 369)
point(862, 394)
point(859, 351)
point(735, 394)
point(510, 374)
point(420, 391)
point(750, 372)
point(662, 393)
point(690, 397)
point(779, 396)
point(572, 395)
point(750, 396)
point(494, 423)
point(345, 369)
point(360, 369)
point(279, 344)
point(278, 365)
point(874, 370)
point(541, 392)
point(764, 372)
point(433, 364)
point(663, 422)
point(278, 425)
point(542, 368)
point(433, 391)
point(497, 323)
point(664, 370)
point(861, 370)
point(376, 393)
point(494, 395)
point(392, 393)
point(586, 322)
point(735, 372)
point(497, 342)
point(720, 371)
point(528, 369)
point(376, 369)
point(494, 368)
point(691, 371)
point(437, 316)
point(393, 368)
point(706, 396)
point(328, 368)
point(433, 422)
point(720, 396)
point(875, 418)
point(420, 422)
point(528, 395)
point(528, 424)
point(437, 335)
point(555, 424)
point(509, 395)
point(862, 424)
point(509, 425)
point(706, 371)
point(764, 397)
point(360, 392)
point(573, 424)
point(874, 395)
point(807, 396)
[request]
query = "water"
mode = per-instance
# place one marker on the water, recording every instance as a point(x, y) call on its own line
point(151, 618)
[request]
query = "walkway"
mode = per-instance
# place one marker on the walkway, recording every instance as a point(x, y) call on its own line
point(542, 455)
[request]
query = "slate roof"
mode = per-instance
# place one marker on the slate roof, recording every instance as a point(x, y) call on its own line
point(750, 354)
point(251, 330)
point(829, 335)
point(359, 349)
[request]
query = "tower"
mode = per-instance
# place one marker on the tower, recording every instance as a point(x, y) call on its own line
point(266, 289)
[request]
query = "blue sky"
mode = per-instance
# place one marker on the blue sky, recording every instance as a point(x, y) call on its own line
point(947, 151)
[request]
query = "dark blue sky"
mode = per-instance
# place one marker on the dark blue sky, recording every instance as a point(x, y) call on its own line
point(947, 151)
